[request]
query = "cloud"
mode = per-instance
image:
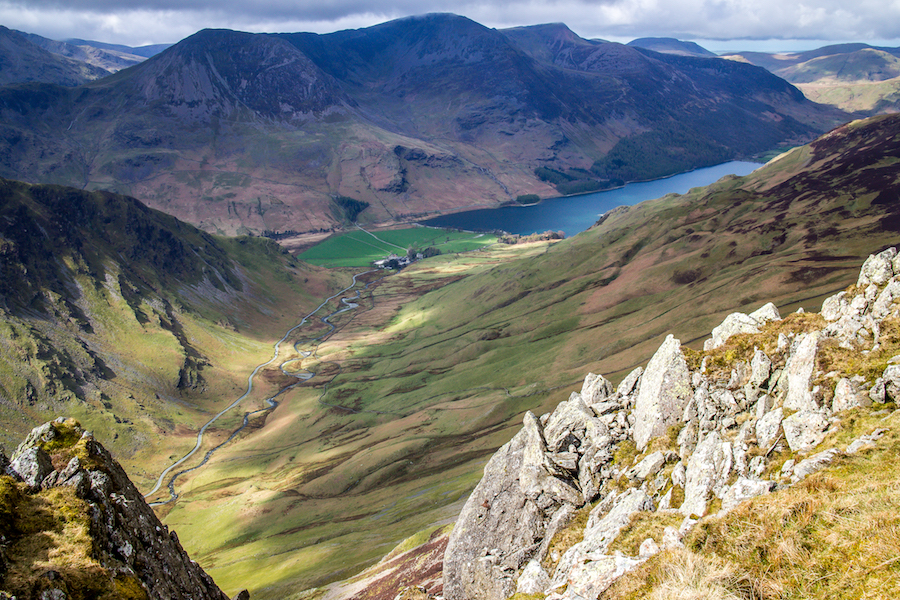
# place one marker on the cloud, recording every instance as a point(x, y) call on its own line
point(137, 22)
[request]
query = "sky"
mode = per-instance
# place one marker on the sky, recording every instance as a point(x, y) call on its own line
point(718, 25)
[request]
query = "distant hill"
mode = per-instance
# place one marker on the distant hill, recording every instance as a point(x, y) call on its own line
point(671, 46)
point(22, 61)
point(145, 51)
point(853, 77)
point(239, 132)
point(109, 60)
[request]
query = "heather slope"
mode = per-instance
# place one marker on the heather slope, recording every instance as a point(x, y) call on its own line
point(433, 372)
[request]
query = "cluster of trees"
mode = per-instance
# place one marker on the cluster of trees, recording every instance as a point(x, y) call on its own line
point(534, 237)
point(350, 208)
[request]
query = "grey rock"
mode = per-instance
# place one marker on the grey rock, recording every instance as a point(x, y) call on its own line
point(763, 405)
point(768, 427)
point(631, 383)
point(648, 548)
point(741, 323)
point(891, 377)
point(878, 392)
point(31, 465)
point(865, 441)
point(664, 391)
point(596, 388)
point(757, 466)
point(604, 523)
point(800, 368)
point(744, 489)
point(877, 269)
point(760, 369)
point(592, 575)
point(848, 396)
point(648, 467)
point(884, 304)
point(804, 430)
point(814, 463)
point(533, 580)
point(704, 473)
point(507, 512)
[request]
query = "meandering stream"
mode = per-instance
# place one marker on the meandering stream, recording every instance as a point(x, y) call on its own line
point(271, 403)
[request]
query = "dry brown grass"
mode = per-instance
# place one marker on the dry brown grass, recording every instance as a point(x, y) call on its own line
point(566, 537)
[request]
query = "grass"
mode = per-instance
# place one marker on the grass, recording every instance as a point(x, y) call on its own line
point(832, 536)
point(360, 249)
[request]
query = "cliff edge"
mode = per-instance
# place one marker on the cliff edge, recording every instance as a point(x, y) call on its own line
point(73, 526)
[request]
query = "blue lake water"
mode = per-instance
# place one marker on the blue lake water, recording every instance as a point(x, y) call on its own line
point(574, 214)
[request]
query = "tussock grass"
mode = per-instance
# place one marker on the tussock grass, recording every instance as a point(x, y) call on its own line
point(566, 537)
point(644, 525)
point(835, 535)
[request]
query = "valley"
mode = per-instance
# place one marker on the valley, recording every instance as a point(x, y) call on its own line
point(187, 269)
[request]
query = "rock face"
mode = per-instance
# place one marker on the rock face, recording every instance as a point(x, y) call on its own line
point(131, 549)
point(746, 428)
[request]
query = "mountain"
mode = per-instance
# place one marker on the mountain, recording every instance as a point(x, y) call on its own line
point(21, 61)
point(108, 60)
point(719, 456)
point(436, 367)
point(144, 51)
point(126, 318)
point(249, 132)
point(671, 46)
point(74, 526)
point(853, 77)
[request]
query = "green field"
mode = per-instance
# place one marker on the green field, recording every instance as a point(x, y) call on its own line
point(361, 248)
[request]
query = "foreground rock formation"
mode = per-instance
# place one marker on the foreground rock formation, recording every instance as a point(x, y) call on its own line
point(72, 525)
point(695, 433)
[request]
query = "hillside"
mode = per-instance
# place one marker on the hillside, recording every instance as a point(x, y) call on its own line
point(672, 46)
point(22, 61)
point(434, 370)
point(669, 475)
point(135, 323)
point(106, 60)
point(854, 77)
point(240, 133)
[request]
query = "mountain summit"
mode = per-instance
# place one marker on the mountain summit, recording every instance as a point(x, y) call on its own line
point(239, 132)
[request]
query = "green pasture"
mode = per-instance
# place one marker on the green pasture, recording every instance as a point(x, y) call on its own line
point(361, 248)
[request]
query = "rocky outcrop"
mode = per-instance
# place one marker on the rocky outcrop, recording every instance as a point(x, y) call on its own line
point(130, 553)
point(745, 428)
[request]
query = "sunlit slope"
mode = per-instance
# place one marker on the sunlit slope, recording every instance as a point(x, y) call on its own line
point(437, 366)
point(135, 323)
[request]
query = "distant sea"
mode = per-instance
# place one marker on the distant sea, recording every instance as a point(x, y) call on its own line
point(574, 214)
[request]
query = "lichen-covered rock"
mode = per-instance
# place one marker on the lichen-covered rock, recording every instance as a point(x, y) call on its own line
point(665, 389)
point(533, 580)
point(804, 430)
point(708, 467)
point(503, 522)
point(127, 539)
point(596, 388)
point(847, 396)
point(744, 489)
point(736, 323)
point(800, 369)
point(814, 463)
point(877, 269)
point(768, 427)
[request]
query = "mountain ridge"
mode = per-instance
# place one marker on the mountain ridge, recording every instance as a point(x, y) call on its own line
point(250, 132)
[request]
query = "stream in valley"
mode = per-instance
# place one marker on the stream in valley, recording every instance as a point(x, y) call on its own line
point(347, 303)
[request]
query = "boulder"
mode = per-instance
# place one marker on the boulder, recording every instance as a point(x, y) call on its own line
point(865, 441)
point(800, 368)
point(741, 323)
point(804, 430)
point(533, 580)
point(767, 428)
point(504, 521)
point(704, 473)
point(31, 465)
point(596, 388)
point(648, 467)
point(664, 391)
point(814, 463)
point(877, 269)
point(744, 489)
point(847, 395)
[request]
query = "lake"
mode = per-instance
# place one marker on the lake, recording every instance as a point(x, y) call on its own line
point(574, 214)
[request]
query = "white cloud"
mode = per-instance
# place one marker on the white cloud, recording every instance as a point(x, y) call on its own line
point(136, 22)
